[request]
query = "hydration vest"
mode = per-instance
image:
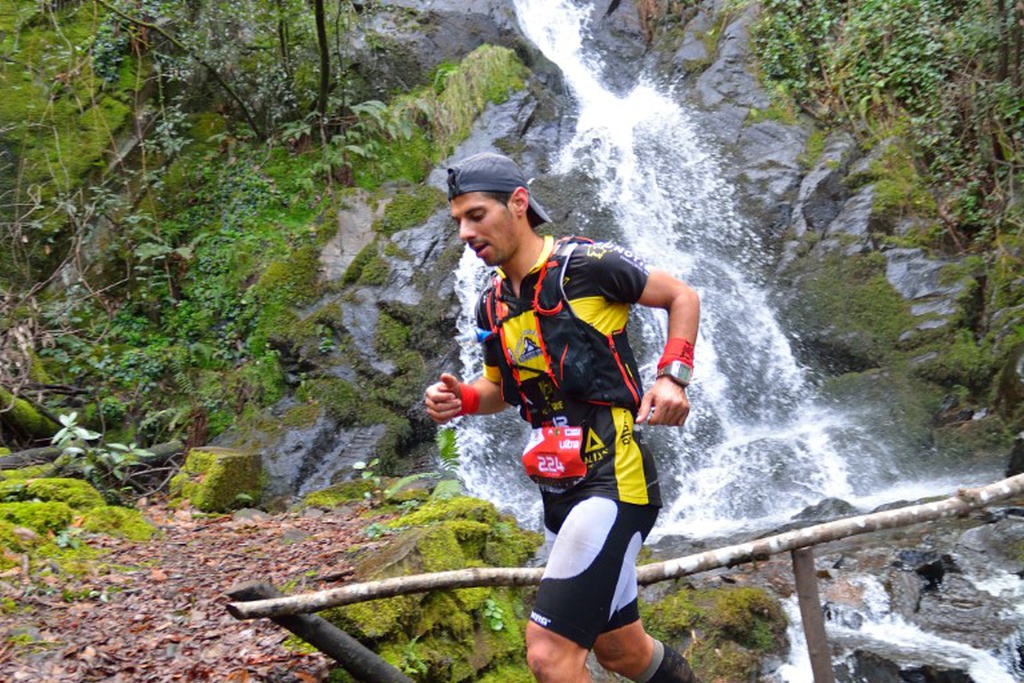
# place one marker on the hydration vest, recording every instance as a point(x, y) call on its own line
point(583, 363)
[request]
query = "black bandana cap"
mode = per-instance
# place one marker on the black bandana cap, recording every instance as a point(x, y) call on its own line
point(490, 172)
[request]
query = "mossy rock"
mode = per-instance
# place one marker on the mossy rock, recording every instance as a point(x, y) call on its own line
point(508, 673)
point(339, 494)
point(121, 522)
point(40, 516)
point(218, 479)
point(30, 472)
point(448, 635)
point(735, 627)
point(409, 208)
point(77, 493)
point(18, 542)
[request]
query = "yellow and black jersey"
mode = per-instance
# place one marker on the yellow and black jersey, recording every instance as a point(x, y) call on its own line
point(560, 352)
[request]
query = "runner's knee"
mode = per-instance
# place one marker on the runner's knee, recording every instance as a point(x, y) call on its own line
point(552, 658)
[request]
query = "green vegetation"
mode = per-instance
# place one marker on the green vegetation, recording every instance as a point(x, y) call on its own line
point(946, 77)
point(443, 636)
point(195, 249)
point(725, 632)
point(219, 479)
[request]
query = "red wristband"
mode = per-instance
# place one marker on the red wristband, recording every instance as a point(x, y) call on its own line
point(678, 349)
point(470, 397)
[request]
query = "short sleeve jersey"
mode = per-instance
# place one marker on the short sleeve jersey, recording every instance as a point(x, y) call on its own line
point(601, 282)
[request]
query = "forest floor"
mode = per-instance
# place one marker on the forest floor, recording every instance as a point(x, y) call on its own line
point(155, 611)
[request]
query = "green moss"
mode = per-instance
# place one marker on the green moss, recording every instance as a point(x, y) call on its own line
point(964, 361)
point(11, 540)
point(218, 479)
point(293, 281)
point(900, 190)
point(78, 494)
point(849, 302)
point(367, 268)
point(410, 208)
point(40, 516)
point(749, 616)
point(982, 439)
point(463, 507)
point(813, 149)
point(340, 399)
point(30, 472)
point(24, 418)
point(510, 546)
point(391, 336)
point(734, 627)
point(120, 522)
point(444, 635)
point(302, 415)
point(339, 494)
point(374, 619)
point(439, 549)
point(508, 673)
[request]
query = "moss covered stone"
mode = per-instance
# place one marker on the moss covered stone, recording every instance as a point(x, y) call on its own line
point(30, 472)
point(218, 479)
point(40, 516)
point(410, 208)
point(444, 635)
point(122, 522)
point(851, 317)
point(735, 628)
point(339, 494)
point(77, 493)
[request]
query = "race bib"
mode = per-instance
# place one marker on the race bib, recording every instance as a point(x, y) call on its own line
point(553, 455)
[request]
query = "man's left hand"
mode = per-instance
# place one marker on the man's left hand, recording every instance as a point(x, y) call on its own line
point(665, 403)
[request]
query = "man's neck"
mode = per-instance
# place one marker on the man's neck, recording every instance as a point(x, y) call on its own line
point(519, 266)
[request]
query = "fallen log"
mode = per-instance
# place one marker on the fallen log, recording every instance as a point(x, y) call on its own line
point(960, 504)
point(360, 661)
point(40, 456)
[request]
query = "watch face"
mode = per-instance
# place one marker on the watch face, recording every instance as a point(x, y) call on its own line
point(677, 371)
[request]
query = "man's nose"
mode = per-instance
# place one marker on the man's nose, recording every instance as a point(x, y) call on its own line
point(465, 231)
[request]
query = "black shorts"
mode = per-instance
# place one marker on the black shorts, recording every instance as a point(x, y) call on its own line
point(589, 583)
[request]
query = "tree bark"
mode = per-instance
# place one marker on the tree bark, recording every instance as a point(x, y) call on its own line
point(325, 61)
point(355, 657)
point(963, 502)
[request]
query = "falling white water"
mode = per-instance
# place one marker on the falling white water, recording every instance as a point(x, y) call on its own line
point(874, 626)
point(760, 444)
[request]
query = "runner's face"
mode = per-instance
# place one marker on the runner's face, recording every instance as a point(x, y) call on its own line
point(486, 225)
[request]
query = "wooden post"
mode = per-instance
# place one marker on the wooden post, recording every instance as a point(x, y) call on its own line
point(810, 615)
point(355, 657)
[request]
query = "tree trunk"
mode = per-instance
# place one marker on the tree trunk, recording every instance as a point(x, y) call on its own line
point(963, 502)
point(325, 61)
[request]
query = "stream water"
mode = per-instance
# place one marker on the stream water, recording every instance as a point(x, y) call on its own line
point(761, 444)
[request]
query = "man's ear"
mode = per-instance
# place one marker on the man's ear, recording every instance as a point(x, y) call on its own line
point(519, 202)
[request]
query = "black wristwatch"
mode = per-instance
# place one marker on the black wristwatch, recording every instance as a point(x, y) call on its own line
point(678, 372)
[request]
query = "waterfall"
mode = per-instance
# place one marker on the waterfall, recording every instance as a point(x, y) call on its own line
point(760, 444)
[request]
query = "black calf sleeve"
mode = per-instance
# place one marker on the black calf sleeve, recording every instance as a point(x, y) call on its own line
point(673, 669)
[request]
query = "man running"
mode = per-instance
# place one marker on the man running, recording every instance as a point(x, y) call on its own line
point(555, 318)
